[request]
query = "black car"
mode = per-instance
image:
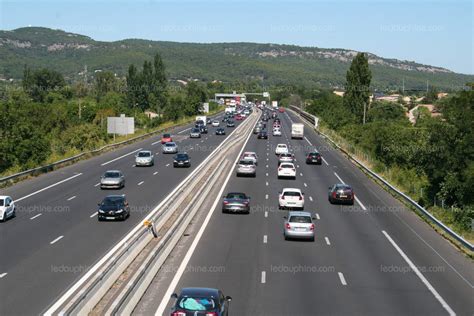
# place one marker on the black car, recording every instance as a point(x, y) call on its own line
point(230, 123)
point(220, 131)
point(181, 160)
point(194, 301)
point(203, 129)
point(262, 135)
point(208, 121)
point(313, 158)
point(341, 193)
point(113, 207)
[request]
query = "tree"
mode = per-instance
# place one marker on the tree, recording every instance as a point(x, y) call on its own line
point(195, 95)
point(105, 82)
point(357, 94)
point(41, 82)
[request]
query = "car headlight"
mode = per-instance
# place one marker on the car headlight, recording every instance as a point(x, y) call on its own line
point(175, 160)
point(120, 211)
point(186, 161)
point(101, 211)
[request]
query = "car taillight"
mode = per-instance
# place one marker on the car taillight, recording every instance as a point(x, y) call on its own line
point(178, 314)
point(301, 198)
point(226, 202)
point(311, 227)
point(211, 314)
point(279, 169)
point(293, 169)
point(246, 202)
point(288, 226)
point(282, 197)
point(334, 194)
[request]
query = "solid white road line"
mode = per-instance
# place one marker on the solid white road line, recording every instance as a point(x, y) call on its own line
point(56, 240)
point(140, 183)
point(155, 173)
point(337, 176)
point(317, 216)
point(37, 215)
point(48, 187)
point(265, 239)
point(327, 241)
point(420, 275)
point(3, 274)
point(341, 277)
point(184, 130)
point(154, 143)
point(264, 277)
point(71, 198)
point(97, 184)
point(311, 198)
point(308, 141)
point(161, 308)
point(324, 160)
point(130, 153)
point(93, 215)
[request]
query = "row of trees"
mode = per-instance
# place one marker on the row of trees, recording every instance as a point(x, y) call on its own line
point(46, 117)
point(435, 156)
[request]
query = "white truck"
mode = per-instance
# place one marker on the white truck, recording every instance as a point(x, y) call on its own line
point(230, 109)
point(275, 104)
point(297, 130)
point(202, 118)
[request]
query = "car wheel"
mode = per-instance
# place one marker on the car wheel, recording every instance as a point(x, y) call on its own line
point(14, 212)
point(312, 239)
point(286, 237)
point(224, 211)
point(352, 202)
point(330, 200)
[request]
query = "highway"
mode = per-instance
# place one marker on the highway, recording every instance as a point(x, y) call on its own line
point(373, 258)
point(358, 265)
point(56, 237)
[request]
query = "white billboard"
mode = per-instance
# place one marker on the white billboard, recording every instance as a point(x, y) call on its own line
point(205, 107)
point(121, 125)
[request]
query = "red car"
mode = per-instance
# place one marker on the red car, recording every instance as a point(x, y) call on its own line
point(239, 117)
point(166, 138)
point(281, 110)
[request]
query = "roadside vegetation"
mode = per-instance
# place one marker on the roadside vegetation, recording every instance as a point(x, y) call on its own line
point(431, 160)
point(47, 119)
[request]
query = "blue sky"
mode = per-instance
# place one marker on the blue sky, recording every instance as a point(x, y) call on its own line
point(438, 33)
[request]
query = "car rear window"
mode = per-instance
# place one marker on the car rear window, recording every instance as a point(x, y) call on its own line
point(300, 219)
point(236, 196)
point(291, 193)
point(246, 162)
point(197, 303)
point(287, 166)
point(112, 175)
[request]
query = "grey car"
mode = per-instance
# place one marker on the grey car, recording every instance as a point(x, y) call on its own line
point(195, 133)
point(144, 158)
point(170, 148)
point(298, 225)
point(286, 158)
point(246, 167)
point(236, 202)
point(112, 179)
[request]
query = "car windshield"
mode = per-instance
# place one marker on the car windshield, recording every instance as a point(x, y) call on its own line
point(144, 154)
point(300, 219)
point(236, 196)
point(111, 174)
point(182, 156)
point(197, 303)
point(166, 135)
point(196, 130)
point(170, 144)
point(112, 200)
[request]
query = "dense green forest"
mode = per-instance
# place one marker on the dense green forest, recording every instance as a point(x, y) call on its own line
point(266, 64)
point(431, 160)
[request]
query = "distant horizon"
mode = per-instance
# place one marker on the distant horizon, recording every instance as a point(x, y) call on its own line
point(428, 32)
point(236, 42)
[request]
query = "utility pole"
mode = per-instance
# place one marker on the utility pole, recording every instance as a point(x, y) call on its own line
point(403, 86)
point(363, 122)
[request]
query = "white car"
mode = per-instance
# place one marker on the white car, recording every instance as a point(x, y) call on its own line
point(250, 155)
point(170, 148)
point(291, 198)
point(286, 170)
point(215, 123)
point(281, 149)
point(7, 207)
point(276, 132)
point(144, 158)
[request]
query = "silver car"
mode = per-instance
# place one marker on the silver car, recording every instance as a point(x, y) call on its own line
point(287, 157)
point(298, 225)
point(112, 179)
point(195, 133)
point(170, 148)
point(144, 158)
point(246, 167)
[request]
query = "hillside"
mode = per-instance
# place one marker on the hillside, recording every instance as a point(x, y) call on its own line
point(270, 63)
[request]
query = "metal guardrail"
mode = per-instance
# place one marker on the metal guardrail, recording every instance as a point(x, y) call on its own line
point(51, 166)
point(310, 119)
